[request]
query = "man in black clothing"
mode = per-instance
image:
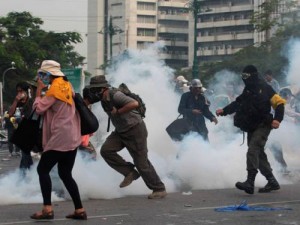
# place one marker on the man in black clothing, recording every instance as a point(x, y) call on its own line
point(23, 102)
point(253, 115)
point(194, 106)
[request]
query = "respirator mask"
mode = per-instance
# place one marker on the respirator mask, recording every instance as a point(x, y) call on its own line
point(45, 77)
point(92, 94)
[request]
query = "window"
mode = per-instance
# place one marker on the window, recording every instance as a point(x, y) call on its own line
point(146, 6)
point(145, 19)
point(145, 32)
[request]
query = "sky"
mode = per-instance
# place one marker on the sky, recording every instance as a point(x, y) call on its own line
point(58, 15)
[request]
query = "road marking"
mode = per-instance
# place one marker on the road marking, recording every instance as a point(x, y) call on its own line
point(261, 203)
point(63, 219)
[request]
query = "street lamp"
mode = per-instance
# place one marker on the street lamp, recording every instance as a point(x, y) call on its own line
point(111, 31)
point(194, 7)
point(13, 64)
point(2, 84)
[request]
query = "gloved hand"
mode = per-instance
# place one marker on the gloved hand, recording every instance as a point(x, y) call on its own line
point(220, 112)
point(215, 120)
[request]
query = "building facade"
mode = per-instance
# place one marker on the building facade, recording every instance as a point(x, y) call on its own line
point(135, 24)
point(223, 28)
point(95, 42)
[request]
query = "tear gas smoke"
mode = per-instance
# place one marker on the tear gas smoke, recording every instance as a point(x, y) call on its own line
point(187, 165)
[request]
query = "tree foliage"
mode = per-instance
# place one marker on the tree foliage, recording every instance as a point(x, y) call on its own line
point(269, 15)
point(24, 42)
point(269, 55)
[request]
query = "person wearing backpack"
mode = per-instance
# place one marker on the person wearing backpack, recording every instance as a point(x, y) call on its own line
point(130, 132)
point(253, 115)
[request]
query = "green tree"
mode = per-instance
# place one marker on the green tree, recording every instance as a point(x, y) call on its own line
point(23, 41)
point(269, 15)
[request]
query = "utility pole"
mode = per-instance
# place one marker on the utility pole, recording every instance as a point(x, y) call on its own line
point(194, 7)
point(111, 30)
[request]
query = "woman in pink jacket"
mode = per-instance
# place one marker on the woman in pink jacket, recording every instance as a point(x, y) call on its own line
point(61, 137)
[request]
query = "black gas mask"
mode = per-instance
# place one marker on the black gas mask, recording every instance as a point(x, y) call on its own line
point(92, 94)
point(250, 80)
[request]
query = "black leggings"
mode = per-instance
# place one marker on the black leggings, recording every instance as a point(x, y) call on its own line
point(65, 162)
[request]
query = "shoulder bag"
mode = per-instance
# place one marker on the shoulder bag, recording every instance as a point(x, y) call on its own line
point(89, 122)
point(180, 127)
point(28, 135)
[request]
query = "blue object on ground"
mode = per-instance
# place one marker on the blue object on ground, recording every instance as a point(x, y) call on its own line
point(245, 207)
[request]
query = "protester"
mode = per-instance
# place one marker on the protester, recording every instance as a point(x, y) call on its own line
point(253, 115)
point(291, 116)
point(61, 137)
point(181, 84)
point(194, 106)
point(290, 113)
point(271, 81)
point(130, 132)
point(20, 108)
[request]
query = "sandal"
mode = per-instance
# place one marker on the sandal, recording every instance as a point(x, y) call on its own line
point(43, 215)
point(77, 216)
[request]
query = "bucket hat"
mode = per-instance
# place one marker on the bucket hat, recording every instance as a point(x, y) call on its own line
point(98, 81)
point(52, 67)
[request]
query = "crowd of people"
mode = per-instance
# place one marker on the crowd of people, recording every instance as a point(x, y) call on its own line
point(259, 108)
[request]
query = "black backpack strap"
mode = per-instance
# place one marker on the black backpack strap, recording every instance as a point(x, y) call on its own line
point(108, 124)
point(243, 139)
point(111, 95)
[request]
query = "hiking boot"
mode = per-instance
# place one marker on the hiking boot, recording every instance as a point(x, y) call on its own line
point(157, 194)
point(129, 178)
point(248, 185)
point(245, 186)
point(272, 185)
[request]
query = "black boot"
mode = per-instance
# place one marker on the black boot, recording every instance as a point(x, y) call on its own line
point(248, 185)
point(272, 185)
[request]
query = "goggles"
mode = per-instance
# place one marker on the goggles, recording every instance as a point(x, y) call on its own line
point(245, 75)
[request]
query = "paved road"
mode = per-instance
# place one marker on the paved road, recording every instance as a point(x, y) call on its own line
point(177, 209)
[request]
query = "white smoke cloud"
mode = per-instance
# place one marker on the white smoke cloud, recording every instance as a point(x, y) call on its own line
point(187, 165)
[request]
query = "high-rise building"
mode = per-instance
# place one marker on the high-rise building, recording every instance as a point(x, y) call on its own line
point(223, 28)
point(96, 42)
point(135, 24)
point(173, 29)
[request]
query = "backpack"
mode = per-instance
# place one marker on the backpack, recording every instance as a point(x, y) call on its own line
point(141, 109)
point(247, 116)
